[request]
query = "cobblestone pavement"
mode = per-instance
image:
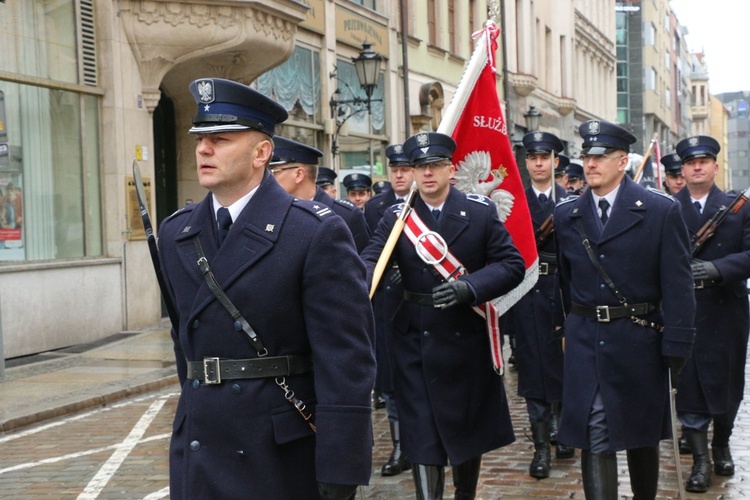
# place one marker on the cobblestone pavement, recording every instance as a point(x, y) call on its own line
point(119, 451)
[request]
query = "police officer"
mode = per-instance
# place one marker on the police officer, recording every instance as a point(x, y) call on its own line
point(294, 166)
point(712, 383)
point(561, 164)
point(451, 402)
point(387, 298)
point(235, 433)
point(327, 181)
point(539, 357)
point(358, 189)
point(634, 282)
point(673, 179)
point(381, 186)
point(575, 179)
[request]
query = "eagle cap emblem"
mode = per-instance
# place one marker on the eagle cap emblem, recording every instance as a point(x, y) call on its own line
point(206, 91)
point(538, 136)
point(693, 141)
point(398, 149)
point(423, 140)
point(594, 126)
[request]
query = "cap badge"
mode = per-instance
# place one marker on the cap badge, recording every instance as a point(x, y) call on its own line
point(594, 127)
point(423, 140)
point(206, 91)
point(538, 136)
point(398, 149)
point(693, 141)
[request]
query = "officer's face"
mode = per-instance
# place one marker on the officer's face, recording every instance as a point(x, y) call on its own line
point(574, 183)
point(287, 176)
point(433, 179)
point(675, 182)
point(330, 190)
point(402, 178)
point(604, 172)
point(700, 172)
point(538, 165)
point(358, 196)
point(231, 164)
point(561, 180)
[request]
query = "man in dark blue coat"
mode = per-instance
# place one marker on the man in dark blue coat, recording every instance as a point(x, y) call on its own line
point(622, 331)
point(237, 433)
point(673, 178)
point(295, 168)
point(451, 403)
point(538, 353)
point(712, 384)
point(387, 298)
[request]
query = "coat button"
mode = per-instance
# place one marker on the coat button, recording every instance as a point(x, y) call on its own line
point(602, 286)
point(236, 388)
point(196, 324)
point(195, 445)
point(601, 342)
point(196, 384)
point(238, 326)
point(457, 334)
point(601, 257)
point(426, 333)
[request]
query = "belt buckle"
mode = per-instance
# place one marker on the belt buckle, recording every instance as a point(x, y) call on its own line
point(602, 314)
point(699, 285)
point(543, 268)
point(211, 371)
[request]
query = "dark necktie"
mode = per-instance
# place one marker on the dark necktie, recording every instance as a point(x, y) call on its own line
point(399, 200)
point(436, 213)
point(542, 198)
point(225, 222)
point(697, 205)
point(604, 205)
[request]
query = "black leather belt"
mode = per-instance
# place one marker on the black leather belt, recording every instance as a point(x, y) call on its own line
point(699, 284)
point(546, 268)
point(424, 299)
point(604, 314)
point(215, 370)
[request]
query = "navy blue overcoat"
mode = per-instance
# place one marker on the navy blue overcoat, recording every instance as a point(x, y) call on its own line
point(644, 248)
point(451, 403)
point(352, 215)
point(713, 380)
point(293, 272)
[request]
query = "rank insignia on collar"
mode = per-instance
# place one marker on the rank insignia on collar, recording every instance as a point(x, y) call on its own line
point(575, 210)
point(269, 228)
point(463, 214)
point(187, 229)
point(638, 203)
point(316, 207)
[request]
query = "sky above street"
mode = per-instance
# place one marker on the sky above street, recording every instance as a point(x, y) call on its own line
point(719, 28)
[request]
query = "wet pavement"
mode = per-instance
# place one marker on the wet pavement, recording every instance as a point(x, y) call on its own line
point(131, 366)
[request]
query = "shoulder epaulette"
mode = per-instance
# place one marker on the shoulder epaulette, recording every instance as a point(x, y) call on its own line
point(478, 198)
point(321, 210)
point(661, 193)
point(184, 210)
point(567, 199)
point(346, 203)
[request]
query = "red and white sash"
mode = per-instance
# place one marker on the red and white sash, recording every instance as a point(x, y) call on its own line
point(434, 250)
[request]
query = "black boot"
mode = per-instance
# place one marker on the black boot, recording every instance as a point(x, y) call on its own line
point(700, 476)
point(465, 478)
point(643, 465)
point(723, 463)
point(539, 467)
point(429, 481)
point(684, 446)
point(599, 472)
point(398, 462)
point(554, 423)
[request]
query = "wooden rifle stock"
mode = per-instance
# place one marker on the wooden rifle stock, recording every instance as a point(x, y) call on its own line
point(709, 228)
point(544, 231)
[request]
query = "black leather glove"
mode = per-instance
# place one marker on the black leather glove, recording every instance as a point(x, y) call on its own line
point(331, 491)
point(396, 277)
point(675, 366)
point(452, 294)
point(705, 270)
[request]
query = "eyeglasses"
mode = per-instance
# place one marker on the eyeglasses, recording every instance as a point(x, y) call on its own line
point(432, 165)
point(600, 158)
point(276, 170)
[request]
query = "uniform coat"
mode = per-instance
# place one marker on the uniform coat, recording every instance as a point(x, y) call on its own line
point(538, 354)
point(644, 248)
point(242, 438)
point(451, 403)
point(713, 380)
point(386, 299)
point(352, 215)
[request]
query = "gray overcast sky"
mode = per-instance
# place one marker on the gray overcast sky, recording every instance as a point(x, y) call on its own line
point(721, 29)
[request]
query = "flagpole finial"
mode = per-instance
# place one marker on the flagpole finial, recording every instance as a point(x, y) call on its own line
point(493, 10)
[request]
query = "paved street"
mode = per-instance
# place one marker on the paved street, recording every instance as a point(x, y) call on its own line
point(120, 452)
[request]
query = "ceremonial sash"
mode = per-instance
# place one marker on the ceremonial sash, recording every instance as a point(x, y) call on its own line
point(433, 250)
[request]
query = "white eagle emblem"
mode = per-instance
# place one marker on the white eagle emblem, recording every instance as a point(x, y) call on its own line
point(398, 149)
point(206, 91)
point(693, 141)
point(475, 175)
point(423, 140)
point(594, 127)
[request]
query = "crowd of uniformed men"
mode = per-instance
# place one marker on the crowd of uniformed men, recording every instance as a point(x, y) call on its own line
point(279, 345)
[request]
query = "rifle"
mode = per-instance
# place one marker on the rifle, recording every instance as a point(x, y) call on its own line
point(709, 228)
point(544, 231)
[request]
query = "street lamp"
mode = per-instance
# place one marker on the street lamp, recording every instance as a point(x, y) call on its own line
point(532, 117)
point(367, 64)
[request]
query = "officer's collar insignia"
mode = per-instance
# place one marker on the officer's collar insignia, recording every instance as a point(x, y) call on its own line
point(423, 140)
point(269, 228)
point(538, 136)
point(463, 214)
point(187, 229)
point(594, 127)
point(638, 203)
point(575, 210)
point(206, 91)
point(693, 141)
point(398, 149)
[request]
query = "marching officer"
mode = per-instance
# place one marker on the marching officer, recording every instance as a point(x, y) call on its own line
point(451, 402)
point(358, 189)
point(258, 382)
point(539, 356)
point(575, 178)
point(294, 166)
point(562, 163)
point(713, 381)
point(327, 181)
point(624, 269)
point(381, 187)
point(673, 179)
point(386, 300)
